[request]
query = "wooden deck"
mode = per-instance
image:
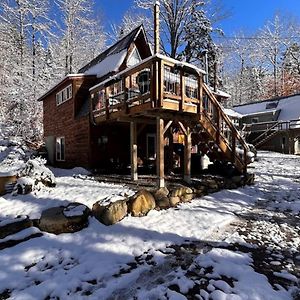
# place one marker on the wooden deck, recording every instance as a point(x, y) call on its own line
point(161, 91)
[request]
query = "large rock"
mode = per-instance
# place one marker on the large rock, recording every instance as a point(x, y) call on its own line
point(9, 226)
point(111, 213)
point(161, 198)
point(187, 197)
point(141, 203)
point(181, 191)
point(71, 218)
point(174, 201)
point(163, 202)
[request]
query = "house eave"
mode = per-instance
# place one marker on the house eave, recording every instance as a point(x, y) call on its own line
point(62, 81)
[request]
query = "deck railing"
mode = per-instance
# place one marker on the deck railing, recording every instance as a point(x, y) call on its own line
point(155, 80)
point(163, 83)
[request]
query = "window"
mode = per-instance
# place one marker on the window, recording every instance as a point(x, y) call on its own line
point(60, 149)
point(64, 95)
point(254, 120)
point(134, 58)
point(271, 105)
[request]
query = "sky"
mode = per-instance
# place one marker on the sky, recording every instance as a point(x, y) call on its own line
point(246, 15)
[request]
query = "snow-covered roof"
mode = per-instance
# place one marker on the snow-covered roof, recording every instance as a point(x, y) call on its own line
point(231, 113)
point(112, 58)
point(69, 76)
point(109, 64)
point(221, 94)
point(289, 107)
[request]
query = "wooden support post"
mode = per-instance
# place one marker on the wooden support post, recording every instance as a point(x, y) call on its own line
point(133, 151)
point(160, 166)
point(187, 155)
point(159, 84)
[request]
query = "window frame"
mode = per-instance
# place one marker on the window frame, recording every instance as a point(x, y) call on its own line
point(64, 95)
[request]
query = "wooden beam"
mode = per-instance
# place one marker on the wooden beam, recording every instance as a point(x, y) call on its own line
point(168, 126)
point(160, 166)
point(187, 155)
point(183, 128)
point(133, 151)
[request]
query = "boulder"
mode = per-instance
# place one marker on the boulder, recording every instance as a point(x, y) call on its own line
point(187, 197)
point(111, 213)
point(174, 201)
point(163, 202)
point(141, 203)
point(161, 193)
point(9, 226)
point(61, 219)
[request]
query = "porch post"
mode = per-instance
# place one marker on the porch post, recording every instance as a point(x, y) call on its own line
point(133, 151)
point(160, 152)
point(187, 155)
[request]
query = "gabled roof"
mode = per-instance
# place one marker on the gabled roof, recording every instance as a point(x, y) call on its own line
point(112, 58)
point(288, 107)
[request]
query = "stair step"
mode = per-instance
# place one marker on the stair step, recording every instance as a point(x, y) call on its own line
point(19, 237)
point(9, 226)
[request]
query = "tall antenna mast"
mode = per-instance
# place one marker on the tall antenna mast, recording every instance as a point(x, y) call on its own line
point(156, 27)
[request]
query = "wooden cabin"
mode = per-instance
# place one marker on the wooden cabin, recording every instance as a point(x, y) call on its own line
point(272, 124)
point(130, 110)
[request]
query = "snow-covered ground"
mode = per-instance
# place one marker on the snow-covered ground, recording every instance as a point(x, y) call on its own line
point(234, 244)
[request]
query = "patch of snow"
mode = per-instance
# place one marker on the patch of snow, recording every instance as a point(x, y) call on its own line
point(109, 64)
point(74, 210)
point(20, 235)
point(286, 275)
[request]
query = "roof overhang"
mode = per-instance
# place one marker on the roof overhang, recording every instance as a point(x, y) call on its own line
point(62, 81)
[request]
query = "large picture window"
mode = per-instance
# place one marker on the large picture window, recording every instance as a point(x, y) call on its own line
point(60, 148)
point(64, 95)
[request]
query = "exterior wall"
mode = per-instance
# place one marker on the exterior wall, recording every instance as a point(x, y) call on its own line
point(60, 121)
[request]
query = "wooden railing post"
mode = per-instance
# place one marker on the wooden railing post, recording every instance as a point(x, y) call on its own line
point(200, 94)
point(182, 90)
point(161, 83)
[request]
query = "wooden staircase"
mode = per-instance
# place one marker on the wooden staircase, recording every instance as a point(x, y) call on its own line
point(269, 130)
point(220, 128)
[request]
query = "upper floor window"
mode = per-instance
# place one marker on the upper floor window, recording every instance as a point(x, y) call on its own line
point(64, 95)
point(134, 58)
